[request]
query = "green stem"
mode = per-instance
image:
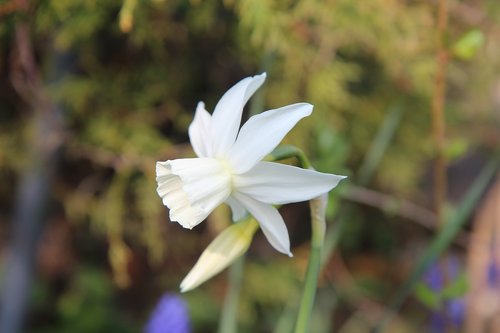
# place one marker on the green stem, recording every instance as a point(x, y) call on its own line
point(318, 223)
point(318, 226)
point(287, 151)
point(228, 322)
point(309, 292)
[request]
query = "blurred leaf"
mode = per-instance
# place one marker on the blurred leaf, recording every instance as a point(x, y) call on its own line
point(468, 45)
point(458, 287)
point(456, 148)
point(430, 298)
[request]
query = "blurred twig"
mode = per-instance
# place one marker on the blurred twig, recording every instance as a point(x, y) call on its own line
point(368, 310)
point(401, 207)
point(124, 161)
point(437, 112)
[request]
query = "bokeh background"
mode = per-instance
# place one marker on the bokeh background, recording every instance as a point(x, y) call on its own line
point(92, 93)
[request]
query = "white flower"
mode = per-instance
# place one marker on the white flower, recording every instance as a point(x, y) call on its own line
point(229, 167)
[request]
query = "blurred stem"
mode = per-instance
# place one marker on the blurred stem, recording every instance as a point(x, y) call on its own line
point(34, 189)
point(377, 148)
point(382, 139)
point(228, 322)
point(437, 112)
point(318, 223)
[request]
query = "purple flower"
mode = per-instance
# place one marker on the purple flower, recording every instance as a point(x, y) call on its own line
point(170, 316)
point(456, 312)
point(493, 274)
point(450, 311)
point(434, 278)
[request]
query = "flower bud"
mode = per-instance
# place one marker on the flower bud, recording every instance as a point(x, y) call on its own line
point(227, 247)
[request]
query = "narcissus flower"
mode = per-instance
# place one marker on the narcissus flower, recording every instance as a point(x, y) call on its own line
point(229, 167)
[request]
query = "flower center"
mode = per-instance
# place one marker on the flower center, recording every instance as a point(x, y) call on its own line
point(228, 171)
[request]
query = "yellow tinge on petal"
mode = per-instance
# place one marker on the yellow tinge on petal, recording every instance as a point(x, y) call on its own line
point(227, 247)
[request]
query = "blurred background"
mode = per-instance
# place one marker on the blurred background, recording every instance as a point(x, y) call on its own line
point(92, 93)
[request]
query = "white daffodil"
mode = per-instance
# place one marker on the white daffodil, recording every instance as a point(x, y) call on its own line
point(229, 166)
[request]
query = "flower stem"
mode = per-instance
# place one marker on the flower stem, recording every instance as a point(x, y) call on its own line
point(309, 292)
point(318, 207)
point(228, 322)
point(318, 226)
point(288, 151)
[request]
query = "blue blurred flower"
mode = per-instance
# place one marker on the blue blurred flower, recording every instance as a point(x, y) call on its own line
point(450, 311)
point(170, 316)
point(434, 278)
point(493, 274)
point(455, 309)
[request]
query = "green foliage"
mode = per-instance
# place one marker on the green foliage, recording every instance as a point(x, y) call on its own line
point(468, 45)
point(434, 299)
point(427, 296)
point(88, 306)
point(129, 91)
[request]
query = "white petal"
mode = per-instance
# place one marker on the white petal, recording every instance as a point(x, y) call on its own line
point(228, 246)
point(262, 133)
point(226, 118)
point(276, 183)
point(237, 209)
point(199, 132)
point(192, 188)
point(270, 221)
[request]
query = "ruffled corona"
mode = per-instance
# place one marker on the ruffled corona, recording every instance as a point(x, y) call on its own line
point(192, 188)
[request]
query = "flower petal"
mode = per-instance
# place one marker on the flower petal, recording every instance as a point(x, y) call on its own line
point(276, 183)
point(262, 133)
point(227, 114)
point(237, 209)
point(199, 132)
point(192, 188)
point(270, 221)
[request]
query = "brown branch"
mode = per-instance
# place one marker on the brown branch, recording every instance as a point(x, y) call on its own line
point(437, 113)
point(122, 161)
point(403, 208)
point(339, 277)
